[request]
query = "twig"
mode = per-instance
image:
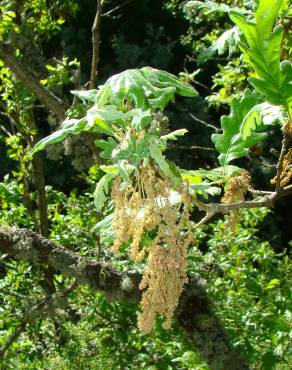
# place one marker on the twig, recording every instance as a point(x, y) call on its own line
point(205, 123)
point(207, 217)
point(267, 200)
point(116, 8)
point(9, 134)
point(194, 147)
point(284, 148)
point(95, 44)
point(259, 192)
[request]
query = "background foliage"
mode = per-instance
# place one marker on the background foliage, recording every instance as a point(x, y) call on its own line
point(248, 275)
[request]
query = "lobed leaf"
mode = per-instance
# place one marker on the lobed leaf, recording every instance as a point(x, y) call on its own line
point(219, 174)
point(145, 88)
point(263, 51)
point(262, 114)
point(231, 144)
point(105, 230)
point(89, 95)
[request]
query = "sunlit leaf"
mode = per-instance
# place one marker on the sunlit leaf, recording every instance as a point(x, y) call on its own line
point(173, 135)
point(145, 88)
point(227, 41)
point(231, 144)
point(69, 127)
point(156, 154)
point(89, 95)
point(101, 190)
point(261, 114)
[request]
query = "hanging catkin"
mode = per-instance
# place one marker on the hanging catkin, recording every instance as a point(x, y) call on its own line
point(144, 207)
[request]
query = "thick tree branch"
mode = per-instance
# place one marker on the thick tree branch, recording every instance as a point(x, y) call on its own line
point(195, 313)
point(26, 245)
point(31, 82)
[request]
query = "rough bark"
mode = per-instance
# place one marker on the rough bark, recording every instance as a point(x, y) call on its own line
point(195, 313)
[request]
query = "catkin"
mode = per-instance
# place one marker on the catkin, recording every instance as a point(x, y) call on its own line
point(146, 207)
point(235, 192)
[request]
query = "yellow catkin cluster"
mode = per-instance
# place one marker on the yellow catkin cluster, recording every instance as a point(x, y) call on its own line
point(286, 175)
point(146, 207)
point(235, 192)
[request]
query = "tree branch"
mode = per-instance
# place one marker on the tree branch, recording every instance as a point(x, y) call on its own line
point(216, 129)
point(26, 245)
point(117, 8)
point(31, 82)
point(284, 148)
point(266, 201)
point(195, 312)
point(95, 43)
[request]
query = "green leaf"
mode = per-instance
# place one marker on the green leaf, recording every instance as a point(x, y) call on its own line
point(266, 15)
point(156, 154)
point(108, 147)
point(110, 113)
point(197, 184)
point(99, 118)
point(286, 69)
point(125, 170)
point(112, 169)
point(89, 95)
point(145, 88)
point(163, 80)
point(141, 119)
point(212, 6)
point(105, 230)
point(263, 52)
point(173, 135)
point(274, 283)
point(192, 177)
point(101, 190)
point(219, 174)
point(205, 189)
point(261, 114)
point(69, 127)
point(227, 41)
point(231, 144)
